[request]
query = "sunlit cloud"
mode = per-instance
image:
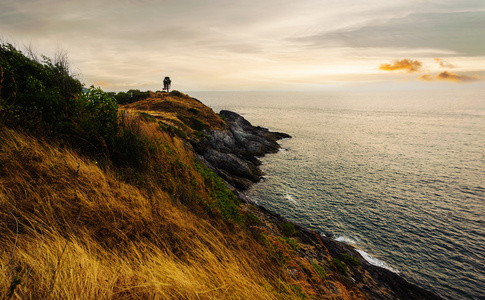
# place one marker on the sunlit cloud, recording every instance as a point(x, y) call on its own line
point(444, 63)
point(408, 65)
point(426, 77)
point(448, 76)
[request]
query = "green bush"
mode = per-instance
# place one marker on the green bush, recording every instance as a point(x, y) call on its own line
point(193, 110)
point(172, 130)
point(96, 119)
point(42, 96)
point(37, 95)
point(351, 259)
point(292, 243)
point(226, 202)
point(288, 229)
point(131, 96)
point(340, 266)
point(251, 219)
point(319, 270)
point(196, 124)
point(176, 93)
point(147, 117)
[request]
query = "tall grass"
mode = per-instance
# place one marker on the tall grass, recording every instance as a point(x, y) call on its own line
point(84, 234)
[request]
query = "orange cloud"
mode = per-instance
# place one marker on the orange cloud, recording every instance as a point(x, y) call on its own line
point(455, 77)
point(444, 63)
point(448, 76)
point(426, 77)
point(408, 65)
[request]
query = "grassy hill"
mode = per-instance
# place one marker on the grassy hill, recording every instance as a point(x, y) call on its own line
point(105, 202)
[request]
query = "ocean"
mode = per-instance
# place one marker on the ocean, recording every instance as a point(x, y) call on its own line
point(399, 175)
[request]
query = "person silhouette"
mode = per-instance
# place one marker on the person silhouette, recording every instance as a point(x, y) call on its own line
point(166, 84)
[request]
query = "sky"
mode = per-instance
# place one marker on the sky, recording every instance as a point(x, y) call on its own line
point(212, 45)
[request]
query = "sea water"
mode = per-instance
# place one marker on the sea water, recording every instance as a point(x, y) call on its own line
point(399, 175)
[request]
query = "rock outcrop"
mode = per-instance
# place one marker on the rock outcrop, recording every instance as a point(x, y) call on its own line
point(233, 153)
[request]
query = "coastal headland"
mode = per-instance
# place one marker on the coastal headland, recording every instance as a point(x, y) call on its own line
point(233, 151)
point(144, 199)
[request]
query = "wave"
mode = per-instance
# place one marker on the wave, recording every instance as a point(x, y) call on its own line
point(376, 262)
point(290, 198)
point(369, 258)
point(346, 240)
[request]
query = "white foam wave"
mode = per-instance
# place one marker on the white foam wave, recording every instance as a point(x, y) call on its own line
point(345, 239)
point(290, 198)
point(376, 262)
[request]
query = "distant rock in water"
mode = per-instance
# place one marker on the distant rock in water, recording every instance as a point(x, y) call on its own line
point(234, 153)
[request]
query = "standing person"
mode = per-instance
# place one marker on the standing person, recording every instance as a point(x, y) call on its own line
point(166, 84)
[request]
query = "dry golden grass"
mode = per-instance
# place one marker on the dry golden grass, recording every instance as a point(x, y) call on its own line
point(71, 230)
point(170, 108)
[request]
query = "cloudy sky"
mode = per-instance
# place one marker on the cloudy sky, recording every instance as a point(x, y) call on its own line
point(257, 44)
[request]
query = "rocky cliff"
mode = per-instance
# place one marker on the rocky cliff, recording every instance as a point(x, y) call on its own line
point(233, 153)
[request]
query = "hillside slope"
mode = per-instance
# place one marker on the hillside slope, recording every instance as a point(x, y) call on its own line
point(105, 202)
point(232, 152)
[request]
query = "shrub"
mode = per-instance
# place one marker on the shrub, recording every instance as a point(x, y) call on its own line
point(319, 270)
point(351, 259)
point(37, 95)
point(193, 110)
point(131, 96)
point(43, 97)
point(340, 266)
point(147, 117)
point(96, 118)
point(226, 202)
point(176, 93)
point(288, 229)
point(172, 130)
point(196, 124)
point(292, 243)
point(251, 219)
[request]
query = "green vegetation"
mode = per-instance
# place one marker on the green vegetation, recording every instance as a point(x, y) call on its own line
point(176, 93)
point(292, 243)
point(174, 131)
point(147, 117)
point(130, 96)
point(251, 219)
point(192, 122)
point(193, 110)
point(226, 202)
point(38, 95)
point(340, 266)
point(351, 259)
point(288, 229)
point(319, 270)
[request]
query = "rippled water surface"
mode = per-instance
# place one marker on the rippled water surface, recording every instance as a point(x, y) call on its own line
point(400, 175)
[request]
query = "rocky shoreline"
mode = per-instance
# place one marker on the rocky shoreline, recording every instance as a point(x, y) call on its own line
point(233, 155)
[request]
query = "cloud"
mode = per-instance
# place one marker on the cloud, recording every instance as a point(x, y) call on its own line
point(444, 63)
point(452, 30)
point(448, 76)
point(457, 78)
point(426, 77)
point(408, 65)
